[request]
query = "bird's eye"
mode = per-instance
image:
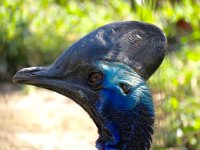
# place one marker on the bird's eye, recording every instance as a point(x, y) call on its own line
point(95, 77)
point(125, 88)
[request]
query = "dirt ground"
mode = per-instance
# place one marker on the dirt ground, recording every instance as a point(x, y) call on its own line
point(38, 119)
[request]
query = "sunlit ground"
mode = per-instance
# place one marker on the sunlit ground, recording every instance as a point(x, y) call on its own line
point(37, 119)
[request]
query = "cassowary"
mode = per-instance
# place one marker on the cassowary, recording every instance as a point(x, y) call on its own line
point(105, 72)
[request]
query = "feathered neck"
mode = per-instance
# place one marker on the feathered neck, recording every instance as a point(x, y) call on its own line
point(125, 113)
point(134, 133)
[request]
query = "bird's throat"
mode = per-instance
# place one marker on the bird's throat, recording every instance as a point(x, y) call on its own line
point(132, 134)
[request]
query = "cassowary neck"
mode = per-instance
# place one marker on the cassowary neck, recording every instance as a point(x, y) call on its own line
point(126, 114)
point(132, 133)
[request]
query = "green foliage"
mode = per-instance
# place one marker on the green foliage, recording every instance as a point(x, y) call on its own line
point(35, 32)
point(179, 79)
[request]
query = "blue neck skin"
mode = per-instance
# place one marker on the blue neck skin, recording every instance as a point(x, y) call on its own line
point(128, 116)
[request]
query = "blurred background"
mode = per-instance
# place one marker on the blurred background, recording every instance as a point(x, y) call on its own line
point(35, 32)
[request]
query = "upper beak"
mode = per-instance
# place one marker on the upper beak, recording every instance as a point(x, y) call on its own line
point(30, 75)
point(38, 76)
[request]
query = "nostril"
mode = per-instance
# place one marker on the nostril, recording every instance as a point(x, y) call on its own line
point(33, 72)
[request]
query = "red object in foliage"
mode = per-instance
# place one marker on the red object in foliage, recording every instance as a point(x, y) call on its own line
point(183, 27)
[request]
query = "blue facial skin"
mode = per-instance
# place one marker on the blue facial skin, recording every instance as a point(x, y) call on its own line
point(127, 115)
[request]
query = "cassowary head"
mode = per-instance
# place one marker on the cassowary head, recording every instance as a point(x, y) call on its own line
point(105, 72)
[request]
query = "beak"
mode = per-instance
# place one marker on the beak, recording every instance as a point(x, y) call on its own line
point(52, 79)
